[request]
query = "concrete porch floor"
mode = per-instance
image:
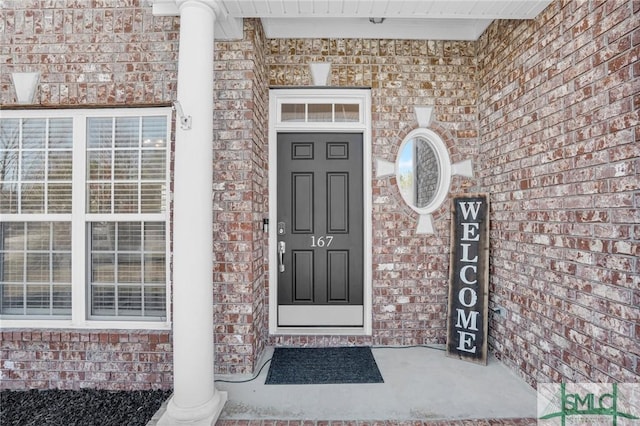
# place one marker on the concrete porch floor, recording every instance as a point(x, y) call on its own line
point(421, 386)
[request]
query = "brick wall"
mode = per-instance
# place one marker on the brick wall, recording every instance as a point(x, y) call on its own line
point(410, 272)
point(558, 108)
point(240, 201)
point(89, 53)
point(75, 359)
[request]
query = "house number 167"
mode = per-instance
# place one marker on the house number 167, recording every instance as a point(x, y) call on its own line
point(324, 241)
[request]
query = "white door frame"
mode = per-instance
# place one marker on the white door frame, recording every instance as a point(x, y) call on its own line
point(362, 98)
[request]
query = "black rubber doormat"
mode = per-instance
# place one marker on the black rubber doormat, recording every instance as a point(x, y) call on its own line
point(306, 366)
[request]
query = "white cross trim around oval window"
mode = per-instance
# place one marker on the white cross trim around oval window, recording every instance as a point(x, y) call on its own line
point(423, 170)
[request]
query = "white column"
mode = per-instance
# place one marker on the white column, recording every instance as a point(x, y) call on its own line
point(195, 400)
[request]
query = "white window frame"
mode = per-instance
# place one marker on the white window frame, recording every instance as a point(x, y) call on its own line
point(79, 224)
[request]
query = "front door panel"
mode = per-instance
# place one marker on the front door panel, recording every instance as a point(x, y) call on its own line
point(320, 229)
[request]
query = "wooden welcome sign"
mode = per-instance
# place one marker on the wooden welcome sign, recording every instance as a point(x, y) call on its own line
point(469, 278)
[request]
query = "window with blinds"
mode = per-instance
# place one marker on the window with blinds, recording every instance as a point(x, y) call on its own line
point(35, 165)
point(126, 158)
point(35, 268)
point(90, 179)
point(127, 268)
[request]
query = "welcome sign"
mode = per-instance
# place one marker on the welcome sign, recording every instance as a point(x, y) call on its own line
point(469, 278)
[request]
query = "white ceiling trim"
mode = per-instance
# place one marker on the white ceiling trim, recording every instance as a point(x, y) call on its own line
point(391, 28)
point(445, 9)
point(403, 19)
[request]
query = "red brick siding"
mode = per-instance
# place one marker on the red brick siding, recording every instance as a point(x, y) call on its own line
point(559, 151)
point(63, 359)
point(240, 201)
point(89, 52)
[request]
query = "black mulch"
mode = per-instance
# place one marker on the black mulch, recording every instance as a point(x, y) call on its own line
point(88, 407)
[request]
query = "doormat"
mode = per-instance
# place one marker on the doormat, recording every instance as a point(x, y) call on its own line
point(306, 366)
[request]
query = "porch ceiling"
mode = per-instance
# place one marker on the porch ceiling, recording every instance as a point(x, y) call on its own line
point(403, 19)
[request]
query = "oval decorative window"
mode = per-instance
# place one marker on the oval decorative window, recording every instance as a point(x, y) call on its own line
point(423, 171)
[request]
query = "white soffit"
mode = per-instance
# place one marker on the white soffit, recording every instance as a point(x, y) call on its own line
point(403, 19)
point(391, 28)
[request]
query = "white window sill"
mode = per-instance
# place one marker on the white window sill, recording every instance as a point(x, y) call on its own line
point(85, 325)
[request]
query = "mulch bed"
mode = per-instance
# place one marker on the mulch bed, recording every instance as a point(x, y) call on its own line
point(88, 407)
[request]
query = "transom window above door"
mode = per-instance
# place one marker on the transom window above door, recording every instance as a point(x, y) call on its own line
point(319, 111)
point(84, 209)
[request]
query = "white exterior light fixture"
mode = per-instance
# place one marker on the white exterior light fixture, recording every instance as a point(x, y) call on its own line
point(25, 85)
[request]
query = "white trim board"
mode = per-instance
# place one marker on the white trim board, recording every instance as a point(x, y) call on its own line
point(322, 316)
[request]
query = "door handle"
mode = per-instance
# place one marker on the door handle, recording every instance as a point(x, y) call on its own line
point(281, 250)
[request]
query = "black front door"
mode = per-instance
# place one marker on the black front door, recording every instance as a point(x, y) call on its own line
point(320, 229)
